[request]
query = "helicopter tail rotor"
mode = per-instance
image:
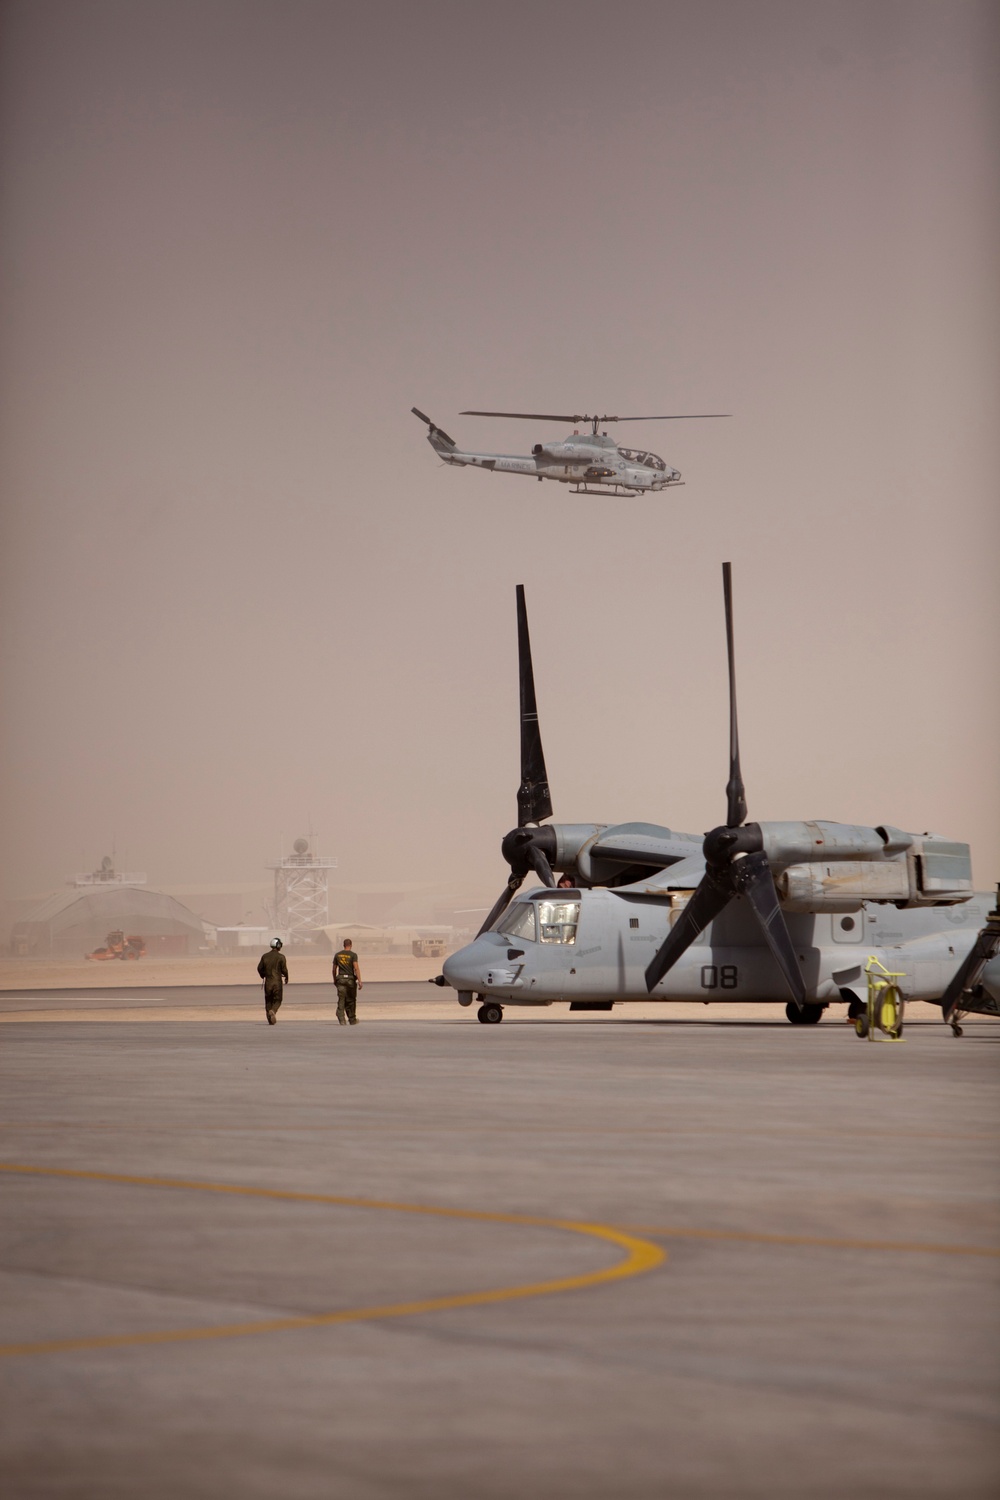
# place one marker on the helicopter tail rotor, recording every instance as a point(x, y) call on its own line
point(436, 436)
point(735, 865)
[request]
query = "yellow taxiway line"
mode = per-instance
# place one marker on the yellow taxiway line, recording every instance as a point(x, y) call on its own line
point(914, 1247)
point(641, 1256)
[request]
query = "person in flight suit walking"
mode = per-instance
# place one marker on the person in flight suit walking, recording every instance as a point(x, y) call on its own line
point(274, 972)
point(347, 978)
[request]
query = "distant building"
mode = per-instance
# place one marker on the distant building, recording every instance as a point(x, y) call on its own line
point(73, 923)
point(237, 939)
point(419, 941)
point(225, 904)
point(106, 874)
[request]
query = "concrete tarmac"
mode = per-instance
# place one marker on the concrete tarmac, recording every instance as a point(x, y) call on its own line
point(605, 1256)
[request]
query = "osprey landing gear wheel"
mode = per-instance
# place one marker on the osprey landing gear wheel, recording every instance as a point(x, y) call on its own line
point(809, 1015)
point(490, 1013)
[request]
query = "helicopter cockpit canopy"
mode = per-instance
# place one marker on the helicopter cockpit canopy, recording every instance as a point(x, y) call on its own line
point(648, 460)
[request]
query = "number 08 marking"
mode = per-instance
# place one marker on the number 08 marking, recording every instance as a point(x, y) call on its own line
point(724, 976)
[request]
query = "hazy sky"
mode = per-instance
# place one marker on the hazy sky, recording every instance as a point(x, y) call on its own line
point(241, 238)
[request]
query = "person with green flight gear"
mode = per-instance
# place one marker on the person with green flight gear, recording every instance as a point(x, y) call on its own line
point(347, 978)
point(274, 972)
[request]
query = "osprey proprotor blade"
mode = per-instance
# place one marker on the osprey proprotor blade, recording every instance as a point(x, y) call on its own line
point(735, 863)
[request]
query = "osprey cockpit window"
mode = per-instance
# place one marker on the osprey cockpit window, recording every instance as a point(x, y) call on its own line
point(557, 921)
point(518, 921)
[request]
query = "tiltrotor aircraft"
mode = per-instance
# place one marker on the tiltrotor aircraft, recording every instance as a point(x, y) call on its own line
point(752, 911)
point(591, 462)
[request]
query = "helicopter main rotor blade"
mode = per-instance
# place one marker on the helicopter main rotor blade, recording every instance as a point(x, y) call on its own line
point(684, 416)
point(703, 907)
point(533, 800)
point(735, 791)
point(526, 416)
point(546, 416)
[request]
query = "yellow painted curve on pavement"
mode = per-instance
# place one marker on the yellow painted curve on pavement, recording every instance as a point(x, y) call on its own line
point(640, 1256)
point(907, 1247)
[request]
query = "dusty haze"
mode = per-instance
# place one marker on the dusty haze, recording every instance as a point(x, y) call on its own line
point(241, 240)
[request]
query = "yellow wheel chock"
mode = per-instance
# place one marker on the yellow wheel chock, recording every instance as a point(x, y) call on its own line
point(886, 1004)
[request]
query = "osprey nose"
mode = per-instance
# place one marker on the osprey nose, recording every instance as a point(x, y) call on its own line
point(464, 970)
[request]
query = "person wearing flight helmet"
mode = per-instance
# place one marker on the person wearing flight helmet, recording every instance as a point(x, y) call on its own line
point(274, 971)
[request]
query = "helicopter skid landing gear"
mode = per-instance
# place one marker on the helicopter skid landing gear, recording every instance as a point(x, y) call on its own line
point(809, 1015)
point(490, 1013)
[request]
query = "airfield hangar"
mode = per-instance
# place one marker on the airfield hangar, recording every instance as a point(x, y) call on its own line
point(73, 923)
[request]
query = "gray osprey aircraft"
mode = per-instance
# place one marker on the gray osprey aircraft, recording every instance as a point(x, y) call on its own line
point(752, 911)
point(591, 462)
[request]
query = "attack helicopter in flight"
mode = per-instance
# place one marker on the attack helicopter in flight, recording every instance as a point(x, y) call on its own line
point(592, 463)
point(749, 912)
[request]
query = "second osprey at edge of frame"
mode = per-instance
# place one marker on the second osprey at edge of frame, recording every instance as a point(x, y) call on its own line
point(592, 463)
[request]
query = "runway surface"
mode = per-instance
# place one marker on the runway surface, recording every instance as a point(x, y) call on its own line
point(685, 1256)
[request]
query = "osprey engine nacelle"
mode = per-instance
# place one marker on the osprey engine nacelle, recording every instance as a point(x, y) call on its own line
point(877, 864)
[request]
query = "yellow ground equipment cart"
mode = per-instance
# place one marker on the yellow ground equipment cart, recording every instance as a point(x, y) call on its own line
point(886, 1004)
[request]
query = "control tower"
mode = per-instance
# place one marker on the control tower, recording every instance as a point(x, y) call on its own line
point(301, 899)
point(106, 874)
